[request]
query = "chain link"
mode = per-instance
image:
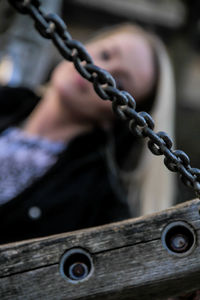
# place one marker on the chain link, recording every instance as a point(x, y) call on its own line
point(52, 27)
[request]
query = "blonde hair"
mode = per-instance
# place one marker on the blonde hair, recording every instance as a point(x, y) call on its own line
point(145, 195)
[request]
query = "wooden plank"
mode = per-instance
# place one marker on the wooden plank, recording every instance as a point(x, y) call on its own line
point(129, 261)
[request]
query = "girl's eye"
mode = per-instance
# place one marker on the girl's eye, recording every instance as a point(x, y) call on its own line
point(105, 55)
point(119, 84)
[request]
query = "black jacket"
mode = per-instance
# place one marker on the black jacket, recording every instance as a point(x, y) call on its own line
point(79, 191)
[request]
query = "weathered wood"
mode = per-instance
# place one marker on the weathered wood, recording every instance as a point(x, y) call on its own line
point(130, 261)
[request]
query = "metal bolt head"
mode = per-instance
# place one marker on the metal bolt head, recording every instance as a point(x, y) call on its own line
point(78, 270)
point(179, 242)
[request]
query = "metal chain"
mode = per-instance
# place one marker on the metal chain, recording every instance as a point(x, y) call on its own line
point(52, 27)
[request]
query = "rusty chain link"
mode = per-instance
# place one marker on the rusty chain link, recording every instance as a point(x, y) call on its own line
point(51, 26)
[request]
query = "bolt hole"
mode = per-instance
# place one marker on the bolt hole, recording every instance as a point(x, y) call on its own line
point(76, 265)
point(179, 238)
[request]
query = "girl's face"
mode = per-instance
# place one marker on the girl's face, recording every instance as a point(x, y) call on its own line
point(126, 56)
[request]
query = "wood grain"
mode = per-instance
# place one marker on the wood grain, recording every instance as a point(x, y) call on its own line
point(130, 261)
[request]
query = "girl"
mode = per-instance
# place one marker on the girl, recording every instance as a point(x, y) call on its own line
point(60, 155)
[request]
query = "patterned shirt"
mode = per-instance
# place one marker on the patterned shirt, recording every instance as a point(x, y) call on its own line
point(24, 159)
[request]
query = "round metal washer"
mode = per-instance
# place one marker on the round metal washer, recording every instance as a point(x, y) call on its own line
point(72, 257)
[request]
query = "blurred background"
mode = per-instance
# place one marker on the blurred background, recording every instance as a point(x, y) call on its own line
point(177, 22)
